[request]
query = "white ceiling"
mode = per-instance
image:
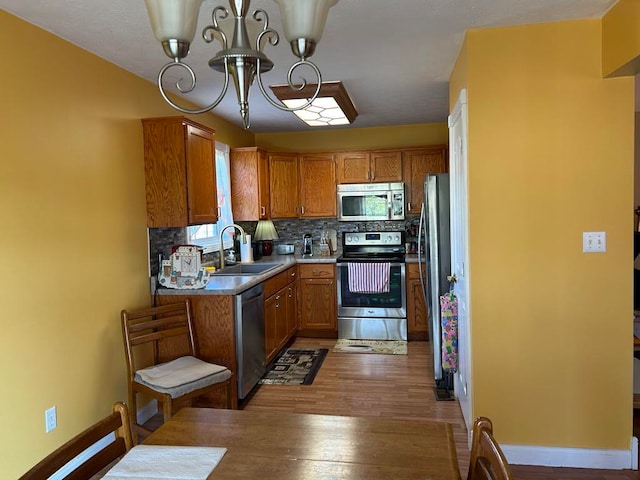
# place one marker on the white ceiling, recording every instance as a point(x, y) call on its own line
point(394, 57)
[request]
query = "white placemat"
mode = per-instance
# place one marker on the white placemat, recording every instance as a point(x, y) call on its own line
point(165, 462)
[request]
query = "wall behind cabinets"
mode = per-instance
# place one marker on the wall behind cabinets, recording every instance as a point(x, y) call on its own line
point(355, 138)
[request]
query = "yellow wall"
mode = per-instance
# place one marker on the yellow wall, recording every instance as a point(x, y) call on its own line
point(355, 138)
point(73, 241)
point(621, 39)
point(550, 156)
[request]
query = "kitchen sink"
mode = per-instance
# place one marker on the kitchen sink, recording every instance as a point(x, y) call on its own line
point(247, 269)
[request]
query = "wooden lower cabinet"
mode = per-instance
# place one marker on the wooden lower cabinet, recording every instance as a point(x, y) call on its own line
point(318, 311)
point(280, 306)
point(417, 319)
point(214, 331)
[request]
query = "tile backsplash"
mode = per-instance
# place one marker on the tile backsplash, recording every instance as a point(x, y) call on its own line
point(289, 231)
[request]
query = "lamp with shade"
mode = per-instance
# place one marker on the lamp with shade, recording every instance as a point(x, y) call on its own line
point(266, 233)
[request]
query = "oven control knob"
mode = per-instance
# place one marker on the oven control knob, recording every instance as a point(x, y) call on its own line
point(389, 239)
point(397, 238)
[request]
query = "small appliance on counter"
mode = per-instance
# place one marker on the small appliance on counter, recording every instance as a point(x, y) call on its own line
point(285, 249)
point(307, 244)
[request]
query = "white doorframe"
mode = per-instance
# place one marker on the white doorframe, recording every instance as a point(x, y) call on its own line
point(463, 381)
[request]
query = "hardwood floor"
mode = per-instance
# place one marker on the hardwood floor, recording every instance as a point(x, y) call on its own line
point(393, 386)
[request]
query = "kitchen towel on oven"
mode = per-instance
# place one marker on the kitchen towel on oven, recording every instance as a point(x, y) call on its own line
point(369, 277)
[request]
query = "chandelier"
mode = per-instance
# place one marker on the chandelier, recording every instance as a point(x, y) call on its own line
point(174, 23)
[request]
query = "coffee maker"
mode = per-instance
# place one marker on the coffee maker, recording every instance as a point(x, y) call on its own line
point(307, 244)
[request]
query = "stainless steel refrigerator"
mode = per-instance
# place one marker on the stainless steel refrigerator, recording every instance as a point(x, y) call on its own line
point(434, 234)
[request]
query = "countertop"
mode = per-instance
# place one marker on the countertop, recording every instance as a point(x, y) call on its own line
point(235, 284)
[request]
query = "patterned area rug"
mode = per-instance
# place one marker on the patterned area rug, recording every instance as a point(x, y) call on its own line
point(389, 347)
point(295, 367)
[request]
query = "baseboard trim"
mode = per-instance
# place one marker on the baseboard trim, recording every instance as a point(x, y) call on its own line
point(145, 413)
point(573, 457)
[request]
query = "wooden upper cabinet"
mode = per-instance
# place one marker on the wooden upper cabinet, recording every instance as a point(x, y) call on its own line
point(283, 184)
point(386, 166)
point(417, 164)
point(180, 174)
point(317, 185)
point(370, 166)
point(353, 167)
point(249, 184)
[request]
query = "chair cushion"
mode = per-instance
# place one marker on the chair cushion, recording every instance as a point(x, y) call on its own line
point(182, 375)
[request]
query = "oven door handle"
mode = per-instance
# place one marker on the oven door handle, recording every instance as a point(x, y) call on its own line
point(344, 264)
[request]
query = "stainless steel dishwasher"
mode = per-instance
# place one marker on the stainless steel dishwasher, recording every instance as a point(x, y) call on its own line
point(250, 350)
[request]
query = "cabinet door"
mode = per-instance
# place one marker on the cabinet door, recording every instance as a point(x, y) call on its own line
point(417, 164)
point(317, 304)
point(292, 309)
point(283, 184)
point(417, 319)
point(202, 194)
point(353, 167)
point(249, 184)
point(317, 185)
point(282, 306)
point(386, 166)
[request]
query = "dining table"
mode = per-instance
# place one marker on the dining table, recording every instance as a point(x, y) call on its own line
point(294, 446)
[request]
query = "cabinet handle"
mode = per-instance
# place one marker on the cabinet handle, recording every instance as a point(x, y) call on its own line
point(219, 212)
point(409, 206)
point(302, 209)
point(277, 301)
point(263, 211)
point(373, 175)
point(290, 292)
point(293, 274)
point(367, 174)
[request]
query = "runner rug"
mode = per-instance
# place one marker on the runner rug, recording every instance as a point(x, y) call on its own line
point(389, 347)
point(295, 367)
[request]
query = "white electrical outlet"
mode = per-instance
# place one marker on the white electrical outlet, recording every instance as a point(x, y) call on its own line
point(593, 242)
point(50, 420)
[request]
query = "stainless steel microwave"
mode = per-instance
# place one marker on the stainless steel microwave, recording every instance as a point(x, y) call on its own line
point(370, 201)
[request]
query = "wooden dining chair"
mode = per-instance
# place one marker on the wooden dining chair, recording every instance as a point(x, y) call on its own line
point(487, 460)
point(181, 375)
point(92, 462)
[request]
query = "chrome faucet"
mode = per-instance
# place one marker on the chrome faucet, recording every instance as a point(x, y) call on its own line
point(244, 240)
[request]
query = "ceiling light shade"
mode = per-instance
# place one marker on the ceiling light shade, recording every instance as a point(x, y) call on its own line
point(303, 23)
point(174, 23)
point(174, 20)
point(332, 106)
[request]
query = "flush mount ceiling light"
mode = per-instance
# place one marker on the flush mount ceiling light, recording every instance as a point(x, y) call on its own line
point(331, 106)
point(174, 23)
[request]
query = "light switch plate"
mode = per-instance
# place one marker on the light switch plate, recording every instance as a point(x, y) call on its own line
point(594, 242)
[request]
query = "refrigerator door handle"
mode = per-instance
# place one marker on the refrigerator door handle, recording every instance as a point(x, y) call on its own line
point(422, 226)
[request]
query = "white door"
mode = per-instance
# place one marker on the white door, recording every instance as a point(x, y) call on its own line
point(460, 252)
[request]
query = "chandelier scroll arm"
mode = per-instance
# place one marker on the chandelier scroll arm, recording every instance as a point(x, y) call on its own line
point(192, 74)
point(208, 35)
point(281, 106)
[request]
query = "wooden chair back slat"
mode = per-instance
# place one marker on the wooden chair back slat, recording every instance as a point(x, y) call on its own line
point(160, 335)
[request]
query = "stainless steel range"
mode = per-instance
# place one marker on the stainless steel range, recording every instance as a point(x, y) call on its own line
point(372, 296)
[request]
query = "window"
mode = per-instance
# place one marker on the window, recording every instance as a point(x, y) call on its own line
point(207, 235)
